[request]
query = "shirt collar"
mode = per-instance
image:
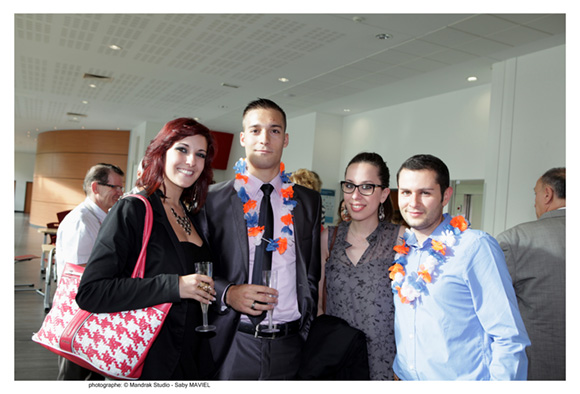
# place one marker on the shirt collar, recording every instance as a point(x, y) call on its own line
point(411, 239)
point(95, 209)
point(254, 184)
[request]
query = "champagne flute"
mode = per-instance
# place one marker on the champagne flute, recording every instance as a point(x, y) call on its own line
point(204, 268)
point(270, 279)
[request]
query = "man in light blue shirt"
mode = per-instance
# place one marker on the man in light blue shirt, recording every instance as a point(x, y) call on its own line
point(456, 316)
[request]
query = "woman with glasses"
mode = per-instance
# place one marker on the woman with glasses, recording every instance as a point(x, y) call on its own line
point(356, 256)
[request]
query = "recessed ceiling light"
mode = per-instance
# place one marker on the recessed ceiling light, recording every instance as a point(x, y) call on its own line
point(84, 102)
point(384, 36)
point(92, 85)
point(346, 110)
point(283, 79)
point(471, 79)
point(115, 47)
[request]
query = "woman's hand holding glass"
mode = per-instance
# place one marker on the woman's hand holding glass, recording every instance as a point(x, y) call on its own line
point(197, 287)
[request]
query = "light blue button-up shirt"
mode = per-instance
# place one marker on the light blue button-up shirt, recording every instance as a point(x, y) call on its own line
point(467, 325)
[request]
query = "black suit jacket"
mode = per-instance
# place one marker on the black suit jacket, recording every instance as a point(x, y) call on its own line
point(222, 224)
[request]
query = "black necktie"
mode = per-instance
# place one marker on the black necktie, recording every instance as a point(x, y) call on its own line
point(263, 258)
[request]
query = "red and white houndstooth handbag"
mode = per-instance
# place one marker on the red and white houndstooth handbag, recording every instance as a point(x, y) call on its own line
point(111, 344)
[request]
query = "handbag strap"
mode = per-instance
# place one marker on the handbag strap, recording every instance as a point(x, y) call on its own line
point(81, 315)
point(139, 270)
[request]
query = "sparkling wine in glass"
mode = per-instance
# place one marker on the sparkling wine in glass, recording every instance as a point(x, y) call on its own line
point(270, 279)
point(204, 268)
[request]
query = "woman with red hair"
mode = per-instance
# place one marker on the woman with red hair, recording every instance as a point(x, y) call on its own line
point(175, 179)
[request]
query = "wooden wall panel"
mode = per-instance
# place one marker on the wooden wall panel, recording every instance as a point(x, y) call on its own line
point(83, 141)
point(62, 160)
point(46, 212)
point(74, 165)
point(66, 191)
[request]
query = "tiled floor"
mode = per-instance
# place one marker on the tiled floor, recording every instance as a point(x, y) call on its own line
point(31, 361)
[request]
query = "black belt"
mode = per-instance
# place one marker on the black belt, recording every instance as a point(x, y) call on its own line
point(285, 329)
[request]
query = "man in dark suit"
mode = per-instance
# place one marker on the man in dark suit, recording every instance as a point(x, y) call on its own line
point(232, 221)
point(536, 257)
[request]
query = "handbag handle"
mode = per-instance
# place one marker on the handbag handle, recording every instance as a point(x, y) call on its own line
point(139, 270)
point(70, 330)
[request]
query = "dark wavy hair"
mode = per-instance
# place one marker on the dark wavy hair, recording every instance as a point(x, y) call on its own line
point(384, 175)
point(154, 161)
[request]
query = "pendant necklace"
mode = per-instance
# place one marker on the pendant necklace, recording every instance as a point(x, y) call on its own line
point(183, 221)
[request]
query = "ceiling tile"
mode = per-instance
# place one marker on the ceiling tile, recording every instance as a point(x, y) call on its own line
point(419, 48)
point(518, 35)
point(483, 25)
point(449, 37)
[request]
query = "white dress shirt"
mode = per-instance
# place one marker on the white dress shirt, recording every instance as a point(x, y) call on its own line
point(77, 233)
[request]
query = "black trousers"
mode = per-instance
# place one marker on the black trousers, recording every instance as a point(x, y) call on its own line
point(253, 358)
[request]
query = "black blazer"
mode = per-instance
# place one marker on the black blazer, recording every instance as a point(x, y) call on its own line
point(222, 224)
point(106, 285)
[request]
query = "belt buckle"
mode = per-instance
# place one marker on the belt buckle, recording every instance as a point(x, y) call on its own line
point(270, 335)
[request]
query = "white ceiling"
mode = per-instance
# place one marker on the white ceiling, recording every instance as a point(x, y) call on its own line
point(174, 65)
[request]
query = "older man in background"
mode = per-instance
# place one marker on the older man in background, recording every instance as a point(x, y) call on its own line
point(536, 258)
point(76, 235)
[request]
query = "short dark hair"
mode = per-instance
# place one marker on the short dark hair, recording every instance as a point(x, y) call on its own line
point(100, 173)
point(428, 162)
point(556, 179)
point(384, 175)
point(262, 103)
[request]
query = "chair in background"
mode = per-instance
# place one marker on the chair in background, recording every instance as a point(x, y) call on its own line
point(27, 286)
point(50, 250)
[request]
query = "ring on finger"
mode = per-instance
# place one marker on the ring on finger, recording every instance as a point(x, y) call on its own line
point(204, 286)
point(253, 307)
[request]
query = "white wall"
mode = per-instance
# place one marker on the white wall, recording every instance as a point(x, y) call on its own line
point(23, 172)
point(527, 134)
point(451, 126)
point(140, 138)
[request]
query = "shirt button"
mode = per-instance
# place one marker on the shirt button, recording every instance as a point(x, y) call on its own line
point(411, 336)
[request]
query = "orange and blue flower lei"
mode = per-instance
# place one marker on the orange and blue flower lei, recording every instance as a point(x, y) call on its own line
point(409, 287)
point(251, 213)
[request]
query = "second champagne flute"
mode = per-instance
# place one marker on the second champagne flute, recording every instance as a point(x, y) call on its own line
point(270, 279)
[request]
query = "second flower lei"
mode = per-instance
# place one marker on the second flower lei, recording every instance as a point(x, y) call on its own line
point(409, 287)
point(251, 213)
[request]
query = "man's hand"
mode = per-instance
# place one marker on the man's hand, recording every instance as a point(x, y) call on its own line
point(251, 299)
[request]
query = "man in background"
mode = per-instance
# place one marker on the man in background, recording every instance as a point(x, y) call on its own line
point(535, 253)
point(76, 235)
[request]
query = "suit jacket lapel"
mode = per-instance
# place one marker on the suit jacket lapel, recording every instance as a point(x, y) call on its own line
point(301, 276)
point(240, 229)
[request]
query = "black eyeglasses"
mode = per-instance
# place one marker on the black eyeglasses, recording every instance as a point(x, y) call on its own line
point(366, 189)
point(118, 188)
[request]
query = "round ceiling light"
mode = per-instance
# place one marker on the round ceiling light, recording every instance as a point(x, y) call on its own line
point(384, 36)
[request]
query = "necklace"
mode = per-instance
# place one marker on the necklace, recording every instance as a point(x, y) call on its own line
point(252, 215)
point(183, 221)
point(410, 287)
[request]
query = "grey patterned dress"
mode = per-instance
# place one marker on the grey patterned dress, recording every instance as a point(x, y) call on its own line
point(362, 295)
